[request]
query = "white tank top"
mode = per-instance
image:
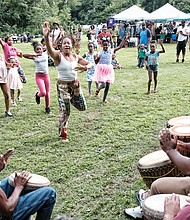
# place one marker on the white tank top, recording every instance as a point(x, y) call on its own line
point(66, 69)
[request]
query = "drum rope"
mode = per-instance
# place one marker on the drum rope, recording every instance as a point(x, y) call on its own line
point(153, 177)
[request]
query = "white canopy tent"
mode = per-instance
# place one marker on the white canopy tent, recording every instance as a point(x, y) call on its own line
point(168, 12)
point(132, 13)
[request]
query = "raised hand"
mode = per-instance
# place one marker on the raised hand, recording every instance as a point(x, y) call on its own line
point(46, 28)
point(4, 158)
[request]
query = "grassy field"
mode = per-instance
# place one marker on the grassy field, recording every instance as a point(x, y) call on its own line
point(95, 174)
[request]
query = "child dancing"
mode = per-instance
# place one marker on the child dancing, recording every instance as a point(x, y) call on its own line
point(104, 72)
point(90, 56)
point(151, 62)
point(42, 77)
point(14, 80)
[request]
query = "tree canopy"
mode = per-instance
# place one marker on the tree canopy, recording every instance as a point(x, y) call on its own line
point(17, 16)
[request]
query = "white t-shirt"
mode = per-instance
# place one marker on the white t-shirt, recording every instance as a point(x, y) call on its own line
point(42, 63)
point(181, 37)
point(55, 33)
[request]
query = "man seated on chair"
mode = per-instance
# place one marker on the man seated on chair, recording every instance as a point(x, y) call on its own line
point(166, 185)
point(18, 204)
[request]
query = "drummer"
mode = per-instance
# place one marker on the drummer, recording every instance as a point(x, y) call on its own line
point(17, 204)
point(167, 185)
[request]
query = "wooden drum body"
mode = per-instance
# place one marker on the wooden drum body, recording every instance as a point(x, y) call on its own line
point(153, 207)
point(35, 182)
point(156, 165)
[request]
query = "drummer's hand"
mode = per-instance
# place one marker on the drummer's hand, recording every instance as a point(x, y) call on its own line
point(166, 142)
point(171, 207)
point(4, 158)
point(22, 178)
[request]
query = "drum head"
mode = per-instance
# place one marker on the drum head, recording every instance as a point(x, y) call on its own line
point(180, 130)
point(36, 181)
point(154, 205)
point(182, 120)
point(157, 158)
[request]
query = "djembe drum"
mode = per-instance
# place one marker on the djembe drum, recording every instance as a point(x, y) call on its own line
point(182, 134)
point(35, 182)
point(153, 207)
point(182, 120)
point(156, 165)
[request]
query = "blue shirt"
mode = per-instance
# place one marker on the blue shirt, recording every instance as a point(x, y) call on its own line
point(144, 36)
point(153, 58)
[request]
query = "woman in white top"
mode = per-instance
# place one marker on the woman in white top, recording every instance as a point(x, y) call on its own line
point(42, 76)
point(68, 86)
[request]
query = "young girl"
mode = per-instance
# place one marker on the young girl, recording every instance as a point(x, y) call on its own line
point(42, 77)
point(90, 56)
point(104, 72)
point(4, 87)
point(11, 51)
point(14, 81)
point(151, 62)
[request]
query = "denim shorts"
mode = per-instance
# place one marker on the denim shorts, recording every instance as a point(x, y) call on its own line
point(154, 68)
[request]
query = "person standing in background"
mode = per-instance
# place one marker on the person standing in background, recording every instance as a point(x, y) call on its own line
point(182, 33)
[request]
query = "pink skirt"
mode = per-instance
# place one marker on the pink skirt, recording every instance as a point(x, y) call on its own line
point(104, 73)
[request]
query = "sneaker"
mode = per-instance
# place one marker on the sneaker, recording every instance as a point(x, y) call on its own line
point(182, 60)
point(37, 99)
point(134, 212)
point(19, 99)
point(8, 114)
point(140, 196)
point(177, 60)
point(48, 111)
point(105, 101)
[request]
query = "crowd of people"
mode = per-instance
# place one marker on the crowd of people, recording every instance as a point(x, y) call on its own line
point(99, 62)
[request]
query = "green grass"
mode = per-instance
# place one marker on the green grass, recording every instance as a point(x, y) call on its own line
point(95, 174)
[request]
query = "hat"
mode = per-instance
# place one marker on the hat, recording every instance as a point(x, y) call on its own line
point(56, 23)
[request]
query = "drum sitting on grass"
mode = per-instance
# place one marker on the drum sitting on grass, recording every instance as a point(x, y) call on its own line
point(156, 165)
point(35, 182)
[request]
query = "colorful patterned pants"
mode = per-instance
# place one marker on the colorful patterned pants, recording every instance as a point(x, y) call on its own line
point(68, 93)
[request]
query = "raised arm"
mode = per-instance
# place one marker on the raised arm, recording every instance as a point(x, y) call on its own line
point(52, 52)
point(122, 42)
point(162, 46)
point(1, 42)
